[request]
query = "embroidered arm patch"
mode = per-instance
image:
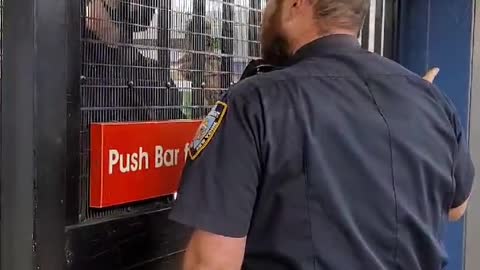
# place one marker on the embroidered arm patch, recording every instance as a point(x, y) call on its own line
point(207, 129)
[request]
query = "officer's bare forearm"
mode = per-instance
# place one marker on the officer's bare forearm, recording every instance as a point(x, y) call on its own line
point(457, 213)
point(205, 266)
point(211, 252)
point(199, 260)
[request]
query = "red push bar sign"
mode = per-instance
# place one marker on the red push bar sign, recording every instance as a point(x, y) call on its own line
point(132, 162)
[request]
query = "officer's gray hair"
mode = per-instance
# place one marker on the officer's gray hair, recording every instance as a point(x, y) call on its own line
point(345, 14)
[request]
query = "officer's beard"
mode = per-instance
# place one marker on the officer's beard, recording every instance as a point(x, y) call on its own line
point(275, 49)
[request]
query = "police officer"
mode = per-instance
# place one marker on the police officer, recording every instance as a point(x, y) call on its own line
point(339, 160)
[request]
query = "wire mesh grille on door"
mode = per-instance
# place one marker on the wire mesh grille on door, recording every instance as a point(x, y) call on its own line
point(148, 60)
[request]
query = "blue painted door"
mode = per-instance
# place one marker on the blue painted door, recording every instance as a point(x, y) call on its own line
point(439, 33)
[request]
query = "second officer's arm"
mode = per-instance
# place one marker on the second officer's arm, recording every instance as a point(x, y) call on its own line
point(219, 184)
point(463, 173)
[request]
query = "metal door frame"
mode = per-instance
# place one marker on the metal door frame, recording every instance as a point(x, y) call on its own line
point(40, 63)
point(472, 231)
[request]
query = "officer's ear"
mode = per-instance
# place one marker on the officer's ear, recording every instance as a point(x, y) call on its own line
point(302, 3)
point(297, 7)
point(431, 75)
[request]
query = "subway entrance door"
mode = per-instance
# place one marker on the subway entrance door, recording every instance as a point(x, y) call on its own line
point(439, 33)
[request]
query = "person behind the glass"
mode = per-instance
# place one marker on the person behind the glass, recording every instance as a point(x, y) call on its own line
point(132, 87)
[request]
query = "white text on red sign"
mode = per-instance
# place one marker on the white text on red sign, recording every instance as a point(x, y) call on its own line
point(142, 160)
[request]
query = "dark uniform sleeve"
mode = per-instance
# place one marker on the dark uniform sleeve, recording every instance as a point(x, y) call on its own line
point(463, 171)
point(219, 184)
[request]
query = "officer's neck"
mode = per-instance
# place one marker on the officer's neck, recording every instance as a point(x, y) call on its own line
point(309, 37)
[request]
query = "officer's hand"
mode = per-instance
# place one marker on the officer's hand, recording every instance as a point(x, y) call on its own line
point(431, 75)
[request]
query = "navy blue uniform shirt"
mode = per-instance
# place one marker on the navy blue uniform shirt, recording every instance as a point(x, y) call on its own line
point(343, 160)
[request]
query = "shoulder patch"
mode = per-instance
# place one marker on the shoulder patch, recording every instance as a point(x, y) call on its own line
point(207, 129)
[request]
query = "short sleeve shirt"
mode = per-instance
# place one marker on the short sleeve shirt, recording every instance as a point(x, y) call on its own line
point(340, 160)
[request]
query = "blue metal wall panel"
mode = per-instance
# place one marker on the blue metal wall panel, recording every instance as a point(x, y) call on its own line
point(439, 33)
